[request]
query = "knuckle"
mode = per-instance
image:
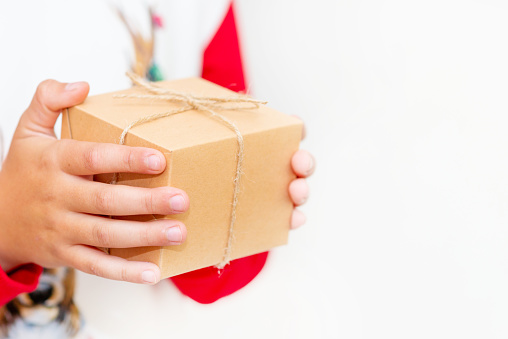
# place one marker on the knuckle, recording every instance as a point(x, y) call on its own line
point(60, 154)
point(42, 89)
point(48, 158)
point(124, 276)
point(91, 158)
point(52, 221)
point(104, 201)
point(129, 160)
point(144, 236)
point(101, 235)
point(56, 252)
point(50, 198)
point(150, 202)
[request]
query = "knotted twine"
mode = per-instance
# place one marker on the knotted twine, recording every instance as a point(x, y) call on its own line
point(209, 105)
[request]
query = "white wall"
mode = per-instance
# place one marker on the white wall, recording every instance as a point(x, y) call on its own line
point(405, 104)
point(407, 114)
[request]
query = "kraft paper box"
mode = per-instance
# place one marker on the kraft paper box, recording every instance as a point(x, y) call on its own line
point(201, 159)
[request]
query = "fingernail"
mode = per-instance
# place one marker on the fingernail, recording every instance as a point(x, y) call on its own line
point(174, 234)
point(149, 277)
point(154, 162)
point(72, 86)
point(177, 203)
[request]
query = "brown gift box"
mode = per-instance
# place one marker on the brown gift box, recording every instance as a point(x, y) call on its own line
point(201, 155)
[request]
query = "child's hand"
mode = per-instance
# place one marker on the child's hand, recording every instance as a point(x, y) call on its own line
point(49, 205)
point(303, 165)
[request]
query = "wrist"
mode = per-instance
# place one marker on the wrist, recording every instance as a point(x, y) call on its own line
point(6, 263)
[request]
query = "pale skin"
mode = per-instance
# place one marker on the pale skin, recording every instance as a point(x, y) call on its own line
point(51, 211)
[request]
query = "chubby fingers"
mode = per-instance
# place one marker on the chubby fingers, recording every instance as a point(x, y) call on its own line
point(299, 191)
point(297, 219)
point(98, 198)
point(112, 233)
point(94, 261)
point(303, 163)
point(88, 158)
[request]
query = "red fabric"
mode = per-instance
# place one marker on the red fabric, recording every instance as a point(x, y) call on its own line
point(222, 64)
point(19, 280)
point(208, 285)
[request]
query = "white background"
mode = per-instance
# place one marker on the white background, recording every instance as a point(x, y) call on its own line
point(406, 110)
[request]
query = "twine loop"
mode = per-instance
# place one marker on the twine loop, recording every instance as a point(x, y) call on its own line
point(202, 104)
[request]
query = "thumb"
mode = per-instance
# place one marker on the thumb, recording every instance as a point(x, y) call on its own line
point(48, 102)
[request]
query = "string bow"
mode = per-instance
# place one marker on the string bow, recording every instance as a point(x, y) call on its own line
point(210, 105)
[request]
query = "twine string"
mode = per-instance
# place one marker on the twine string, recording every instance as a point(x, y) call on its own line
point(203, 104)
